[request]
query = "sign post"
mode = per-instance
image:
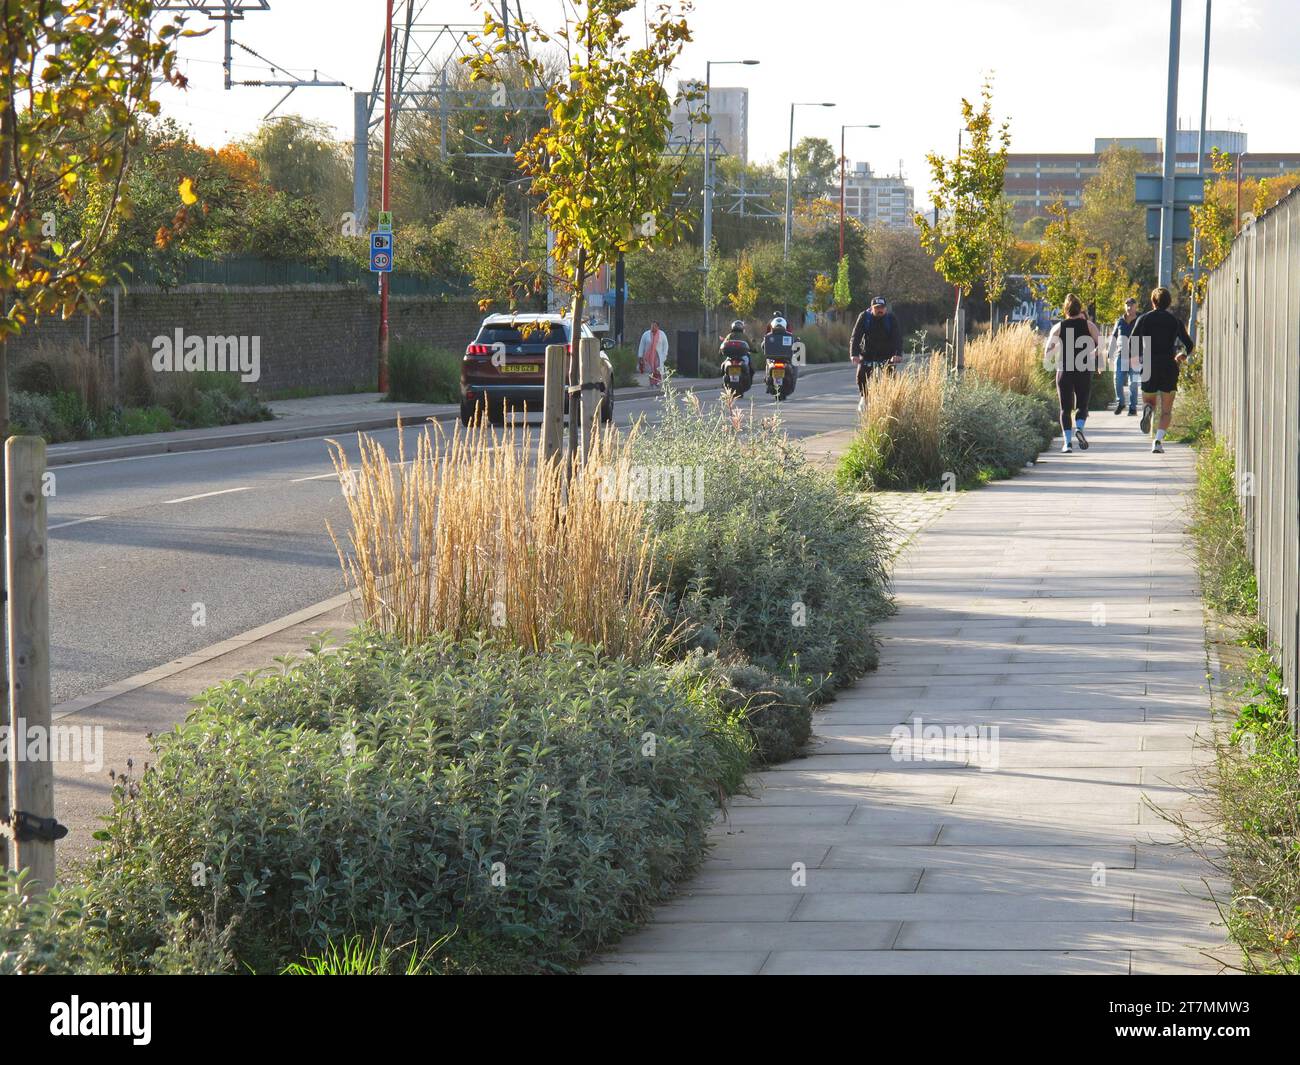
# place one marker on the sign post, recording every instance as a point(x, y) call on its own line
point(381, 252)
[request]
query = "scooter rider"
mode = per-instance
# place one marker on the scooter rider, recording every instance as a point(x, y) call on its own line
point(737, 336)
point(779, 342)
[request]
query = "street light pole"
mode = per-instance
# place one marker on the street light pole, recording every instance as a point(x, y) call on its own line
point(789, 175)
point(1200, 164)
point(789, 181)
point(1165, 262)
point(388, 159)
point(708, 165)
point(1236, 228)
point(860, 125)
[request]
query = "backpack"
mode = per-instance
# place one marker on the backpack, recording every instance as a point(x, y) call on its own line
point(887, 321)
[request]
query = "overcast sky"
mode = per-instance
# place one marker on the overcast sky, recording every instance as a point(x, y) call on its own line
point(1063, 74)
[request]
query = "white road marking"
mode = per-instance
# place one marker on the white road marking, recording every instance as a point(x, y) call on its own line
point(79, 521)
point(313, 477)
point(207, 495)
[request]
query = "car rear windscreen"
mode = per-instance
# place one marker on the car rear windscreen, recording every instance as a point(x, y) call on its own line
point(523, 333)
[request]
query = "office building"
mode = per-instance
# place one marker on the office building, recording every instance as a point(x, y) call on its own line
point(729, 125)
point(1034, 180)
point(878, 200)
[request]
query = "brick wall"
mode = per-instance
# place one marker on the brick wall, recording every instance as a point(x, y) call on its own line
point(671, 318)
point(318, 338)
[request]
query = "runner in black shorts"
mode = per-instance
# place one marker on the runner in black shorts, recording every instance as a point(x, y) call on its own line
point(1155, 335)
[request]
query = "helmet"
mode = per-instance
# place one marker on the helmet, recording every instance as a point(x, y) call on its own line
point(737, 326)
point(777, 323)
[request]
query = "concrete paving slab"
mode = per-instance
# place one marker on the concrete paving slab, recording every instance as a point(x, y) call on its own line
point(1053, 935)
point(1055, 862)
point(764, 935)
point(968, 906)
point(946, 963)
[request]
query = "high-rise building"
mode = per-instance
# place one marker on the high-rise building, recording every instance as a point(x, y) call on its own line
point(878, 199)
point(1033, 181)
point(728, 126)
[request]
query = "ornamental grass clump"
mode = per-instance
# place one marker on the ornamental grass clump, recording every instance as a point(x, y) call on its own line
point(468, 537)
point(1012, 358)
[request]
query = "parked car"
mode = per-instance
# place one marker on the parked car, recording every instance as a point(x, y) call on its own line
point(505, 363)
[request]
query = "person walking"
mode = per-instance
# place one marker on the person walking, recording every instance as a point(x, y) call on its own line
point(1155, 335)
point(652, 353)
point(877, 342)
point(1074, 344)
point(1128, 371)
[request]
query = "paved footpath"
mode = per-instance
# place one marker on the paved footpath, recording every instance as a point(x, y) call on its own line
point(1060, 608)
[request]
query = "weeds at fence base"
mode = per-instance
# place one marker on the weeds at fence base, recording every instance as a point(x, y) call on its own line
point(1251, 831)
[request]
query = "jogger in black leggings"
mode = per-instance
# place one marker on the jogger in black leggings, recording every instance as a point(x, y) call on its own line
point(1073, 344)
point(1072, 388)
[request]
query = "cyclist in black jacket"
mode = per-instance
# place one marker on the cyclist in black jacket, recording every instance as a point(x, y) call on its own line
point(877, 342)
point(1155, 335)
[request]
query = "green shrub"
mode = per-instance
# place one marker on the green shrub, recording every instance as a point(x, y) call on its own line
point(139, 420)
point(1253, 788)
point(866, 462)
point(374, 791)
point(185, 401)
point(67, 931)
point(771, 560)
point(776, 711)
point(418, 373)
point(1218, 533)
point(36, 375)
point(70, 411)
point(1101, 392)
point(1193, 420)
point(986, 429)
point(201, 399)
point(623, 361)
point(925, 427)
point(32, 414)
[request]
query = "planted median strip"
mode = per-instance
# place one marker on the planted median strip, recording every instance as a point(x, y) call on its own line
point(520, 750)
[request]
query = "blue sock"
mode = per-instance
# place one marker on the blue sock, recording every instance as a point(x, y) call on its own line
point(1078, 423)
point(1069, 438)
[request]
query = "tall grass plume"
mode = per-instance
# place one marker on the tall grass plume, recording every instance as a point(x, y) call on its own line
point(466, 537)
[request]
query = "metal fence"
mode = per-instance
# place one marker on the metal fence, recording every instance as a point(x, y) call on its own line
point(250, 270)
point(1252, 372)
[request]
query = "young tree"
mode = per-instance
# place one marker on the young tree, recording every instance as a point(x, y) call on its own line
point(599, 165)
point(816, 167)
point(1096, 275)
point(843, 296)
point(899, 268)
point(746, 295)
point(1214, 223)
point(1059, 256)
point(971, 238)
point(76, 77)
point(823, 293)
point(719, 278)
point(1109, 214)
point(303, 159)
